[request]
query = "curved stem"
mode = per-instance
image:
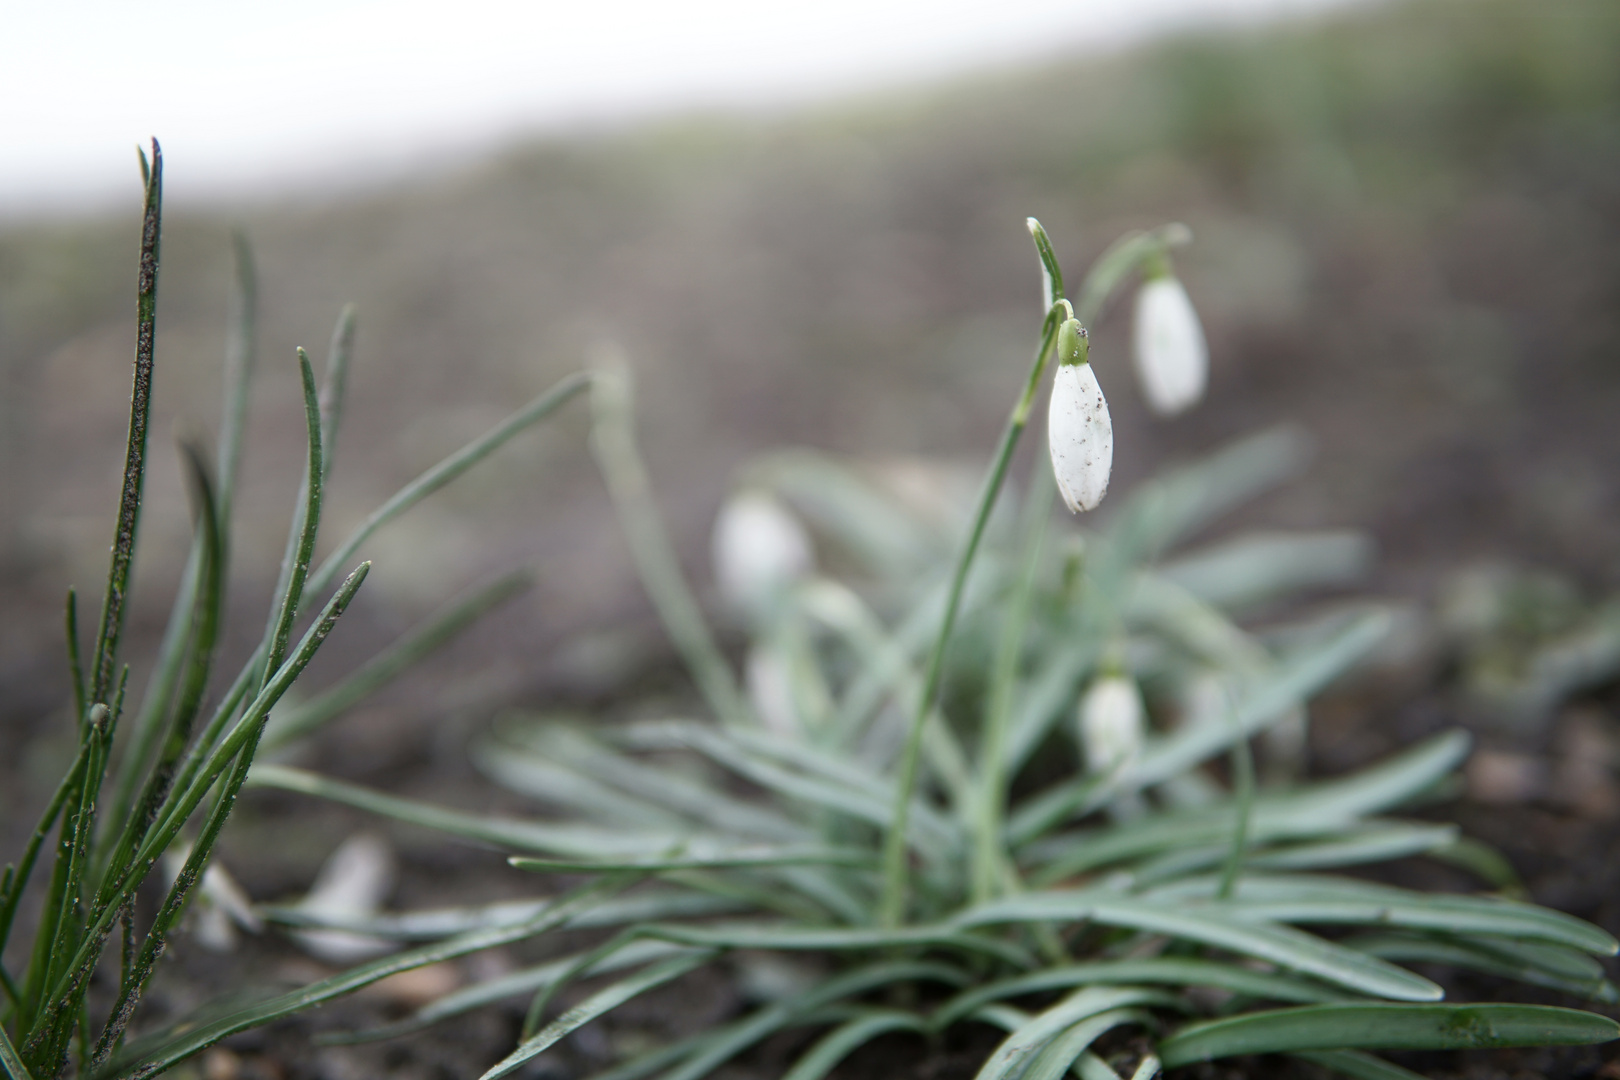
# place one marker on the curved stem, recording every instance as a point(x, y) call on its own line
point(894, 844)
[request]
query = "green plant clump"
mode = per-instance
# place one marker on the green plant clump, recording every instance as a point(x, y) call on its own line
point(157, 782)
point(889, 808)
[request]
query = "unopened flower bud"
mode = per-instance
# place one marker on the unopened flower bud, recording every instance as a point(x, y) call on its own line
point(1172, 360)
point(1111, 723)
point(1079, 431)
point(759, 549)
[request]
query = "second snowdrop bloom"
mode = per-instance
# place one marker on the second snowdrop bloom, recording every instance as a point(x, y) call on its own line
point(1172, 360)
point(1111, 724)
point(759, 549)
point(1079, 431)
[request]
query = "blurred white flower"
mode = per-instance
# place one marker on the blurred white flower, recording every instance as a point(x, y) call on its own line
point(351, 884)
point(1111, 724)
point(219, 904)
point(1172, 360)
point(759, 549)
point(1079, 431)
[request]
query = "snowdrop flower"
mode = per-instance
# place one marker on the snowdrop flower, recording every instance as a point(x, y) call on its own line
point(1172, 360)
point(351, 884)
point(759, 549)
point(1079, 430)
point(1111, 721)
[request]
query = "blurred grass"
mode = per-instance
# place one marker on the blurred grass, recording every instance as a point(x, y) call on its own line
point(1406, 220)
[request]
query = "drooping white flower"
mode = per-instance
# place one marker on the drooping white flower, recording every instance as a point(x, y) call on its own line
point(351, 884)
point(759, 548)
point(1111, 723)
point(1079, 431)
point(1172, 360)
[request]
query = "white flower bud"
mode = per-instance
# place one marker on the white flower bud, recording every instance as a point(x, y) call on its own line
point(759, 549)
point(1081, 437)
point(1172, 360)
point(1111, 721)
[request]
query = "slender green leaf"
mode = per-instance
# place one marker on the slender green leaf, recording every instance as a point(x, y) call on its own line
point(447, 470)
point(1019, 1049)
point(1061, 1053)
point(1223, 928)
point(158, 1052)
point(725, 858)
point(1385, 1027)
point(398, 658)
point(613, 441)
point(1173, 971)
point(15, 1069)
point(602, 1001)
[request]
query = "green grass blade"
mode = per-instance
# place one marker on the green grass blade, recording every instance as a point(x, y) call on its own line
point(1060, 1054)
point(613, 442)
point(447, 470)
point(1019, 1048)
point(603, 1001)
point(163, 1050)
point(70, 620)
point(1166, 970)
point(725, 858)
point(436, 923)
point(1322, 810)
point(17, 880)
point(525, 981)
point(1552, 966)
point(499, 832)
point(848, 796)
point(1357, 1065)
point(1385, 1027)
point(837, 1044)
point(394, 661)
point(1222, 928)
point(307, 524)
point(788, 937)
point(1375, 842)
point(185, 799)
point(15, 1069)
point(563, 766)
point(104, 657)
point(1295, 679)
point(1326, 899)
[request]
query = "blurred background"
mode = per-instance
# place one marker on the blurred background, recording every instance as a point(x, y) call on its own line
point(805, 230)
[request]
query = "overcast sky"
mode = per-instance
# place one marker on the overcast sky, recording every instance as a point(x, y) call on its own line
point(250, 99)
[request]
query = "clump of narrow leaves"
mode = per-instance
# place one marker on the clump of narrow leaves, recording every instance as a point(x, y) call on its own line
point(897, 808)
point(164, 778)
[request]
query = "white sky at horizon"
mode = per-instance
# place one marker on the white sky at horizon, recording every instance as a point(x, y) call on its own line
point(307, 95)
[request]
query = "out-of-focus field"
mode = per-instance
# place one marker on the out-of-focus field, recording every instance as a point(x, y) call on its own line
point(1408, 240)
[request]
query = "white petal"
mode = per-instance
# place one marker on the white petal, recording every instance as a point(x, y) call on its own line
point(1172, 360)
point(1081, 437)
point(1111, 724)
point(353, 882)
point(759, 547)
